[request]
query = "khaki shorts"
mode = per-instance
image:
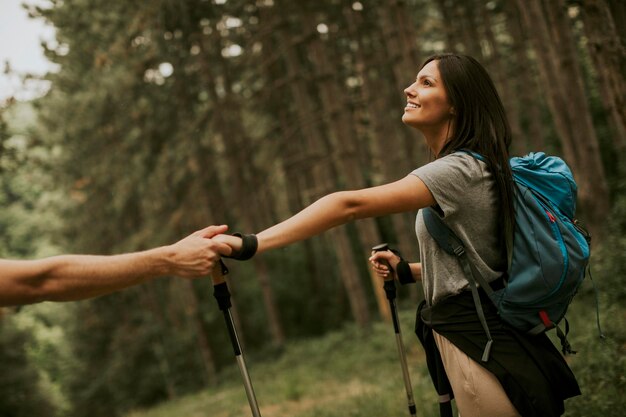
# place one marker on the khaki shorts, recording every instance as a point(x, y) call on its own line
point(477, 391)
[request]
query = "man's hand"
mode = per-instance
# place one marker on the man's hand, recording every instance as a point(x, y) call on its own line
point(197, 254)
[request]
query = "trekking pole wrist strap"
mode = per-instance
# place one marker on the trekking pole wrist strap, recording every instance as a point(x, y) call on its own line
point(249, 245)
point(403, 270)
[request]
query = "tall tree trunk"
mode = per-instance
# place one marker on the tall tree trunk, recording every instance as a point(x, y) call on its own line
point(609, 58)
point(618, 14)
point(343, 151)
point(194, 317)
point(216, 204)
point(274, 320)
point(501, 73)
point(243, 177)
point(406, 36)
point(547, 22)
point(529, 104)
point(148, 298)
point(313, 173)
point(462, 36)
point(289, 151)
point(392, 151)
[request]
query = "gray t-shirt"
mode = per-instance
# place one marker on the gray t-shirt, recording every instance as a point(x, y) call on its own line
point(465, 192)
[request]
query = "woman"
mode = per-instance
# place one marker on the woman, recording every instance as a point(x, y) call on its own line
point(454, 103)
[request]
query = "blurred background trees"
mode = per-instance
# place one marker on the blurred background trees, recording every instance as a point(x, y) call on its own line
point(167, 116)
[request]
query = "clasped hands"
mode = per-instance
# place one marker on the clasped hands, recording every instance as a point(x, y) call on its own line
point(197, 254)
point(240, 247)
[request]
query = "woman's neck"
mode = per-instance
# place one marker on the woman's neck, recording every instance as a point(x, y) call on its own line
point(437, 138)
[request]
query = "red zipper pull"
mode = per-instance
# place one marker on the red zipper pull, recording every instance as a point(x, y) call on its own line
point(550, 216)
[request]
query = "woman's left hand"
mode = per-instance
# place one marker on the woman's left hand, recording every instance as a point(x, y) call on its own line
point(381, 268)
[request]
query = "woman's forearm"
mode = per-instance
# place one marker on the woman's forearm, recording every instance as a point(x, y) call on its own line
point(416, 270)
point(406, 194)
point(324, 214)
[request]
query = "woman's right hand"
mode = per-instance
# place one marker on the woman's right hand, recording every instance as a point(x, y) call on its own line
point(380, 267)
point(233, 241)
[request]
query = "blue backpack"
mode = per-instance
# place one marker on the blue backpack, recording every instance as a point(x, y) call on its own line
point(549, 253)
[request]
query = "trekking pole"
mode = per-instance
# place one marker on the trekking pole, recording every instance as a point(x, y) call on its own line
point(222, 295)
point(390, 291)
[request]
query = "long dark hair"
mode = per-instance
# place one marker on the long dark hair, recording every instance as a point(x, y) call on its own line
point(480, 125)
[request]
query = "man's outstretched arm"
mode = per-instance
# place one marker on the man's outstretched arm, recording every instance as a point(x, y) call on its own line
point(76, 277)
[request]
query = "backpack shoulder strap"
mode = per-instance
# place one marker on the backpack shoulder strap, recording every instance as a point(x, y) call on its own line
point(451, 244)
point(508, 236)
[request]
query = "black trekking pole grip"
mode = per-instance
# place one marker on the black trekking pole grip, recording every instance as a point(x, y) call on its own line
point(389, 287)
point(220, 288)
point(222, 296)
point(390, 284)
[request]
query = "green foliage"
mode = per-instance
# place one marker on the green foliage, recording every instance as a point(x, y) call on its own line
point(47, 348)
point(20, 383)
point(27, 218)
point(600, 365)
point(31, 380)
point(608, 260)
point(138, 359)
point(303, 314)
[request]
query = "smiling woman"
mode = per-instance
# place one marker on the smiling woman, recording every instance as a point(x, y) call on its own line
point(455, 105)
point(428, 108)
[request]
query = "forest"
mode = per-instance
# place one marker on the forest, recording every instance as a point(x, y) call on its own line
point(167, 116)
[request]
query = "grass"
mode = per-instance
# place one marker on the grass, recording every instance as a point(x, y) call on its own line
point(344, 373)
point(599, 365)
point(353, 373)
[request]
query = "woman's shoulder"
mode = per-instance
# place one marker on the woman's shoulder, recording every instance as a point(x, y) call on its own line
point(460, 162)
point(463, 157)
